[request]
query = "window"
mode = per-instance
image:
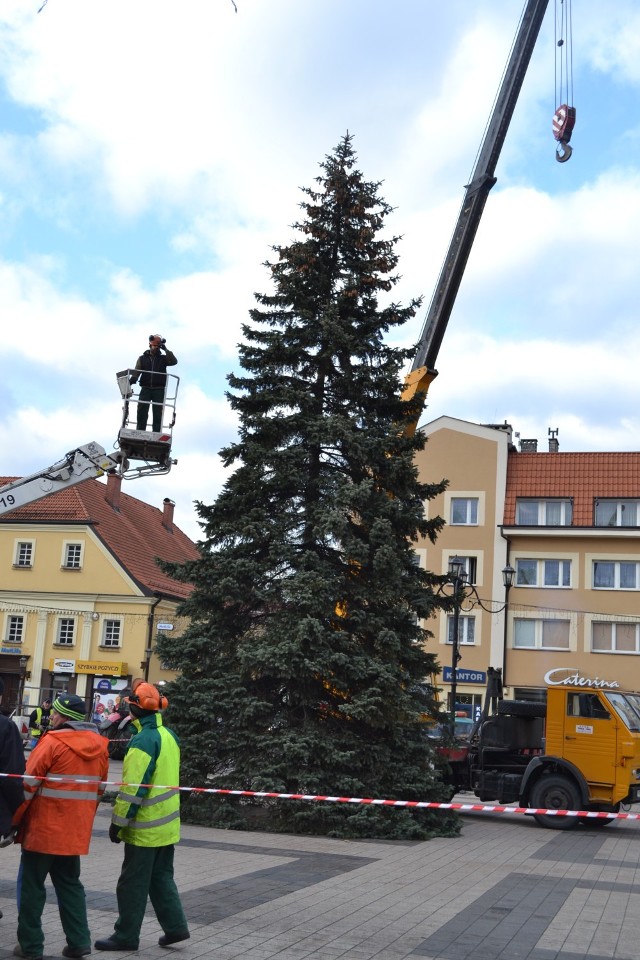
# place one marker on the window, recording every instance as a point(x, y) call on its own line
point(615, 637)
point(466, 630)
point(615, 575)
point(24, 553)
point(15, 630)
point(617, 513)
point(72, 559)
point(464, 511)
point(541, 634)
point(543, 573)
point(586, 705)
point(544, 513)
point(470, 569)
point(111, 633)
point(66, 630)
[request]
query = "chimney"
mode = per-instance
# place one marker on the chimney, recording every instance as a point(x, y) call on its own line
point(114, 483)
point(167, 514)
point(554, 443)
point(528, 446)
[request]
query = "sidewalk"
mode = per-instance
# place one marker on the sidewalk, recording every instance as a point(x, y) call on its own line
point(506, 889)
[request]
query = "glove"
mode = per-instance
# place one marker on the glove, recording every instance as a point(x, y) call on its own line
point(9, 838)
point(114, 833)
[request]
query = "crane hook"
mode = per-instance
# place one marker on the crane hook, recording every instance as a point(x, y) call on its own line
point(563, 151)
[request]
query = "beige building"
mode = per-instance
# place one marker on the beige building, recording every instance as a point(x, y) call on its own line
point(82, 598)
point(569, 524)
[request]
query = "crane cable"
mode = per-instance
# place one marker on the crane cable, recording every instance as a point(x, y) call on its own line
point(564, 117)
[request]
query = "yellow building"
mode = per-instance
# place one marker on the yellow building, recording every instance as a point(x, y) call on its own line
point(569, 525)
point(82, 598)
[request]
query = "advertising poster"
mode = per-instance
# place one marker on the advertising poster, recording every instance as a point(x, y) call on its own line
point(107, 693)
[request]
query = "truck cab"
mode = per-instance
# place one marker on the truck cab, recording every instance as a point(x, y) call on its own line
point(580, 751)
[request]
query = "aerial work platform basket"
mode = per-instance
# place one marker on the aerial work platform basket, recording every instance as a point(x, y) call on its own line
point(145, 452)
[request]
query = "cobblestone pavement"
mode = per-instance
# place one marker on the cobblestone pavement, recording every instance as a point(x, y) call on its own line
point(506, 889)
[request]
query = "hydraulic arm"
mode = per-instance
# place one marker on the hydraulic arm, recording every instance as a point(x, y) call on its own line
point(83, 463)
point(423, 371)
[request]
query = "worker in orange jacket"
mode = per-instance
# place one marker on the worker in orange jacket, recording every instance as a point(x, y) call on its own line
point(55, 823)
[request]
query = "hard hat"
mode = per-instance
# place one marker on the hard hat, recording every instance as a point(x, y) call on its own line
point(146, 696)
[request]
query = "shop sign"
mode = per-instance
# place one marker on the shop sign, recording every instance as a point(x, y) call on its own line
point(62, 666)
point(109, 667)
point(10, 650)
point(164, 626)
point(464, 676)
point(569, 677)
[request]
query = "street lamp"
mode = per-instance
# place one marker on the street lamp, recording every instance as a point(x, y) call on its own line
point(463, 590)
point(22, 662)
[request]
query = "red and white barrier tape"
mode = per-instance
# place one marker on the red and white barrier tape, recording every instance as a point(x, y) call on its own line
point(407, 804)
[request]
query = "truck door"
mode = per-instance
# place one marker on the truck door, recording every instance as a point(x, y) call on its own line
point(590, 738)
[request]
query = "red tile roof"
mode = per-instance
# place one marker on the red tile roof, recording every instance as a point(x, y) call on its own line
point(134, 534)
point(582, 477)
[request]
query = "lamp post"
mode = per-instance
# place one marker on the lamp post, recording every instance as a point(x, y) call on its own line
point(463, 590)
point(23, 661)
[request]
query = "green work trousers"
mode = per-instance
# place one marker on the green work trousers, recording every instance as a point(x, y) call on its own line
point(155, 396)
point(147, 872)
point(65, 876)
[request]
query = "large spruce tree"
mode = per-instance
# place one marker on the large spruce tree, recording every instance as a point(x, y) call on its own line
point(303, 668)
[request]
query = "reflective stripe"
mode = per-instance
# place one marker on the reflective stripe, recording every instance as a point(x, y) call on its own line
point(72, 778)
point(145, 824)
point(31, 781)
point(120, 821)
point(69, 794)
point(130, 798)
point(149, 801)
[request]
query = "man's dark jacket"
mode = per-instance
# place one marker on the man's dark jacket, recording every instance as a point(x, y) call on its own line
point(11, 761)
point(152, 368)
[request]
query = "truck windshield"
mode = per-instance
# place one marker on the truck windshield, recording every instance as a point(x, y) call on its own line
point(627, 706)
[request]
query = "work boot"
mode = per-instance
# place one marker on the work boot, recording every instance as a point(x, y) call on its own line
point(110, 944)
point(168, 938)
point(76, 951)
point(19, 952)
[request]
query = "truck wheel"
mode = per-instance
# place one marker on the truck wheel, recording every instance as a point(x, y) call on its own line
point(597, 823)
point(521, 708)
point(555, 792)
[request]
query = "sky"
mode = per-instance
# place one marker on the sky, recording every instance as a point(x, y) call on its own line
point(152, 152)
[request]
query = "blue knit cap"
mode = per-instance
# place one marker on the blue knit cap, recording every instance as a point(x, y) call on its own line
point(71, 706)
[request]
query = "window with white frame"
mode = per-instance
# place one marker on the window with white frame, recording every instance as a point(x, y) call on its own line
point(543, 513)
point(15, 630)
point(531, 634)
point(24, 553)
point(464, 511)
point(469, 568)
point(111, 633)
point(617, 513)
point(72, 556)
point(466, 630)
point(615, 637)
point(616, 575)
point(66, 631)
point(543, 573)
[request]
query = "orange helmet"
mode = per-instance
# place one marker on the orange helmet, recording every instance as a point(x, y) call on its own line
point(146, 696)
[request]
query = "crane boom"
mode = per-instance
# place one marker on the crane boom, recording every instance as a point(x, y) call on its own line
point(423, 371)
point(83, 463)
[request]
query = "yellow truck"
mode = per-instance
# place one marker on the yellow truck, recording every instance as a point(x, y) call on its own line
point(579, 751)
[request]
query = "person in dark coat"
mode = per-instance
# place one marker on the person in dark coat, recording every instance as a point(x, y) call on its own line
point(151, 370)
point(11, 761)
